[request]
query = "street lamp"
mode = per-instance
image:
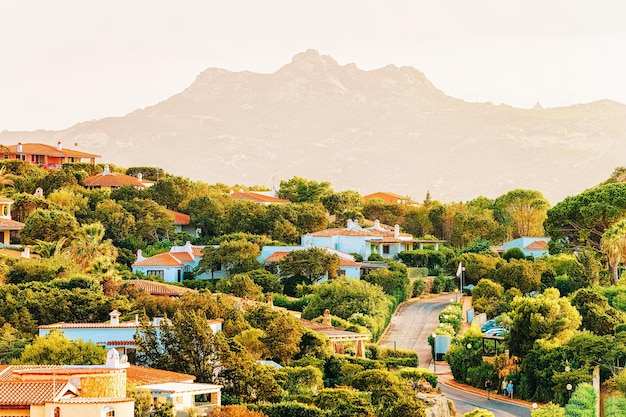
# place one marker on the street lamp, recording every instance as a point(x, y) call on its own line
point(535, 406)
point(462, 278)
point(569, 389)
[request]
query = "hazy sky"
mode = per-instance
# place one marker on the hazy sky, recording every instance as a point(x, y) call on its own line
point(64, 61)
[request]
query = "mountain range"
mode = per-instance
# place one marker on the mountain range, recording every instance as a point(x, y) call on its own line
point(388, 129)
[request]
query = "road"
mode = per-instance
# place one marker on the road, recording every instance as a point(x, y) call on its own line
point(410, 328)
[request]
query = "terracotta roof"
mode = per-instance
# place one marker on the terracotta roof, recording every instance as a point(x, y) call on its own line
point(121, 343)
point(166, 259)
point(94, 400)
point(258, 198)
point(158, 288)
point(16, 253)
point(275, 257)
point(348, 262)
point(26, 393)
point(344, 232)
point(146, 376)
point(537, 245)
point(63, 325)
point(43, 149)
point(112, 179)
point(198, 251)
point(180, 219)
point(6, 200)
point(8, 224)
point(392, 195)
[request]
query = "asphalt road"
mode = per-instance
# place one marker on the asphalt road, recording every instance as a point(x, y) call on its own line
point(410, 328)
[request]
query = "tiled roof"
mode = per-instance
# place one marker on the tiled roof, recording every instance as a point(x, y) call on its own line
point(94, 400)
point(62, 325)
point(159, 288)
point(112, 179)
point(6, 200)
point(8, 224)
point(144, 376)
point(258, 198)
point(275, 257)
point(348, 262)
point(16, 253)
point(120, 343)
point(344, 232)
point(43, 149)
point(384, 193)
point(537, 245)
point(166, 259)
point(26, 393)
point(180, 219)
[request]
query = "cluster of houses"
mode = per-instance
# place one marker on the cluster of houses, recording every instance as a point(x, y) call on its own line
point(32, 390)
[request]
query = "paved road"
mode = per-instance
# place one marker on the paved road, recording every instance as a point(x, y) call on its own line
point(409, 329)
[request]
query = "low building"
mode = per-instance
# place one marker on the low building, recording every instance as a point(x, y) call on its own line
point(389, 198)
point(110, 180)
point(182, 223)
point(7, 224)
point(171, 266)
point(259, 198)
point(347, 265)
point(113, 334)
point(531, 246)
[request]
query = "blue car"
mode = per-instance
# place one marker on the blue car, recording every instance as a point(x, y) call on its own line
point(488, 325)
point(496, 331)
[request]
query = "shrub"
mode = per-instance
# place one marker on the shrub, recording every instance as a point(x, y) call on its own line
point(289, 409)
point(419, 285)
point(439, 284)
point(415, 374)
point(479, 412)
point(375, 257)
point(550, 410)
point(582, 403)
point(477, 375)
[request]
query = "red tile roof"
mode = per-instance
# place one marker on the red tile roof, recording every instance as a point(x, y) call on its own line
point(275, 257)
point(63, 325)
point(258, 198)
point(166, 259)
point(159, 288)
point(8, 224)
point(180, 219)
point(537, 245)
point(16, 253)
point(146, 376)
point(49, 150)
point(26, 393)
point(112, 179)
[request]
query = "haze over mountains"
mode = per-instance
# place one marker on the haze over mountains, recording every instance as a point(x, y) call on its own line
point(387, 129)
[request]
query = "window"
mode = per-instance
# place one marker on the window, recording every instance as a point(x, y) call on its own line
point(110, 413)
point(386, 249)
point(155, 272)
point(107, 412)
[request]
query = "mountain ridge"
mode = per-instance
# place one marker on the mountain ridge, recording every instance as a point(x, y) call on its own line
point(387, 129)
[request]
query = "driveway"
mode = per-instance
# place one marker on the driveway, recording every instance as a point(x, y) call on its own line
point(410, 328)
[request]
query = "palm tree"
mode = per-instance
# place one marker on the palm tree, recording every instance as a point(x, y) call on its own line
point(613, 244)
point(89, 245)
point(49, 249)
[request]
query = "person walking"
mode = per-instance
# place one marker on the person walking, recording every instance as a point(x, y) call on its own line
point(505, 390)
point(488, 388)
point(510, 388)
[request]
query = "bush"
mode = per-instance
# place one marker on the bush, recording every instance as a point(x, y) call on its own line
point(289, 409)
point(550, 410)
point(415, 374)
point(375, 257)
point(583, 402)
point(477, 375)
point(479, 412)
point(439, 285)
point(613, 406)
point(419, 285)
point(297, 304)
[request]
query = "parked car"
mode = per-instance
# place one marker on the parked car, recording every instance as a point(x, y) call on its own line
point(489, 324)
point(496, 331)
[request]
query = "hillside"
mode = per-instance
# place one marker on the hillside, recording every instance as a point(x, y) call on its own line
point(386, 129)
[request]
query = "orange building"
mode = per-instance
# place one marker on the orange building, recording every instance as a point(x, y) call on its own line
point(389, 198)
point(46, 156)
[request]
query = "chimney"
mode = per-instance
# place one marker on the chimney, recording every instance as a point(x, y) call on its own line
point(140, 256)
point(107, 170)
point(59, 147)
point(136, 319)
point(115, 318)
point(270, 302)
point(396, 231)
point(19, 146)
point(326, 320)
point(26, 253)
point(377, 224)
point(140, 177)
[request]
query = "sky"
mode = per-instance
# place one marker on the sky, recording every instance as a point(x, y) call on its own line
point(67, 61)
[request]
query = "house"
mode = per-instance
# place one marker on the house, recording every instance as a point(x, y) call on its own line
point(109, 180)
point(98, 390)
point(347, 265)
point(389, 198)
point(46, 156)
point(182, 223)
point(364, 241)
point(338, 337)
point(531, 246)
point(157, 288)
point(171, 266)
point(258, 197)
point(113, 334)
point(7, 225)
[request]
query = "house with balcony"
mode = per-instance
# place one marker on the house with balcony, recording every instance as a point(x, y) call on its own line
point(46, 156)
point(272, 255)
point(531, 246)
point(362, 240)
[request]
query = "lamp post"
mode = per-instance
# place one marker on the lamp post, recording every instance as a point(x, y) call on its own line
point(462, 278)
point(569, 389)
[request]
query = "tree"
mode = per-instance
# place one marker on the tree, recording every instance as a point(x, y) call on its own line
point(266, 280)
point(527, 210)
point(152, 222)
point(89, 244)
point(486, 296)
point(337, 203)
point(581, 220)
point(548, 316)
point(522, 274)
point(613, 244)
point(68, 199)
point(56, 349)
point(388, 213)
point(312, 264)
point(48, 225)
point(118, 223)
point(596, 313)
point(207, 213)
point(240, 285)
point(170, 191)
point(283, 333)
point(300, 190)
